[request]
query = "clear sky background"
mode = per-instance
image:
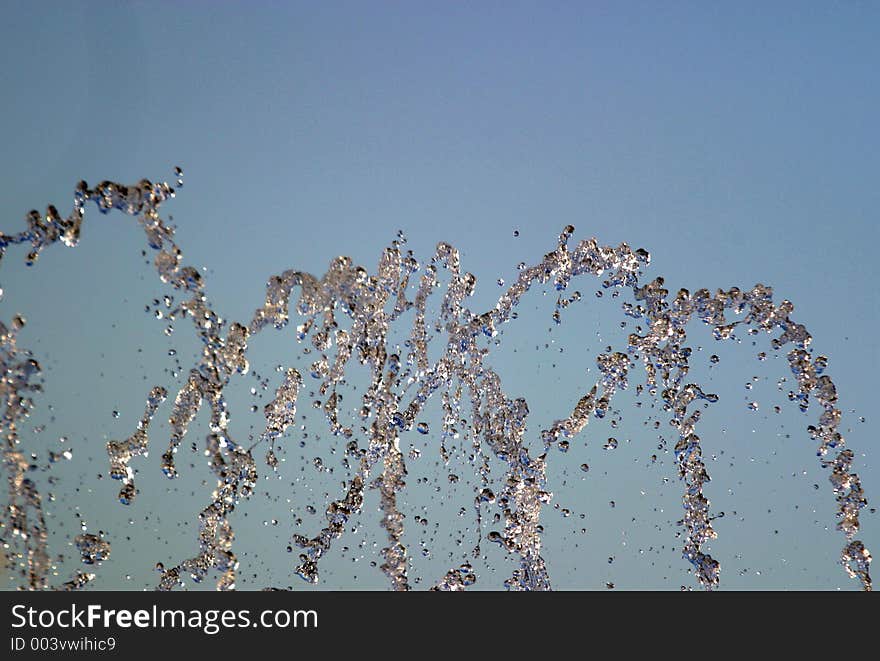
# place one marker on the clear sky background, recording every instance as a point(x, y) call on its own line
point(737, 142)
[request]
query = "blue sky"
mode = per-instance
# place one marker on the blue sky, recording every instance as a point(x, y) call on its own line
point(737, 143)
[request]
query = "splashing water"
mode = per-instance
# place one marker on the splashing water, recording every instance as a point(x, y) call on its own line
point(399, 386)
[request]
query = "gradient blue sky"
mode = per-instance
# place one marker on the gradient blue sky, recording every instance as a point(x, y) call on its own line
point(737, 142)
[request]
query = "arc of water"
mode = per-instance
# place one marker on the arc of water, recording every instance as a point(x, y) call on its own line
point(497, 419)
